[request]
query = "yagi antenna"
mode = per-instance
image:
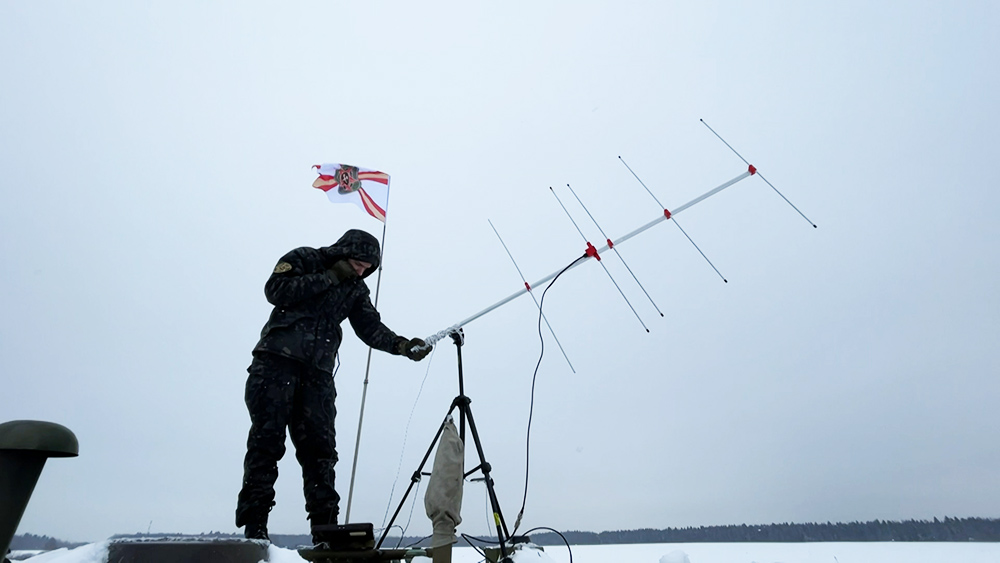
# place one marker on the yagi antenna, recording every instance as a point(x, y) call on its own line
point(437, 336)
point(528, 288)
point(591, 251)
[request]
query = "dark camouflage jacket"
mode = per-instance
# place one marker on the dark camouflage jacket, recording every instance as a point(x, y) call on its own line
point(309, 306)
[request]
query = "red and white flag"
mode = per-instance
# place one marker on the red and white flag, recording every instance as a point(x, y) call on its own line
point(343, 183)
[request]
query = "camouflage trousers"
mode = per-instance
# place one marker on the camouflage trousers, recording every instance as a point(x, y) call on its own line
point(283, 393)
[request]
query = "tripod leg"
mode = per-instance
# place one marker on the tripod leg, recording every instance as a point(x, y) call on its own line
point(502, 533)
point(416, 475)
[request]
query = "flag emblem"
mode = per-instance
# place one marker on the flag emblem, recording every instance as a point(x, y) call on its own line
point(347, 179)
point(368, 189)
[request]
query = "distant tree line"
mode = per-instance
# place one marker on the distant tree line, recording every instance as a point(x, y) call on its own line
point(46, 543)
point(947, 530)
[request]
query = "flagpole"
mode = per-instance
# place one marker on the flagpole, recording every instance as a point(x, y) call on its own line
point(368, 365)
point(666, 215)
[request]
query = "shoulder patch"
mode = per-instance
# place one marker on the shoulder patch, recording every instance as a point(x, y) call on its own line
point(282, 267)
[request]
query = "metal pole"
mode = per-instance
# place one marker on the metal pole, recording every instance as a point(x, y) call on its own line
point(368, 365)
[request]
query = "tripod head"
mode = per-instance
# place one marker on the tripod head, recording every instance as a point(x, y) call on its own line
point(457, 336)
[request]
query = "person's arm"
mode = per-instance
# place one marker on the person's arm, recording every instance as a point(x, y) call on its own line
point(367, 324)
point(292, 281)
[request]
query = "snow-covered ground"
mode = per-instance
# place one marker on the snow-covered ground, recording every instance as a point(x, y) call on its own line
point(840, 552)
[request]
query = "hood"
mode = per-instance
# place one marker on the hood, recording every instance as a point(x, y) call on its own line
point(358, 245)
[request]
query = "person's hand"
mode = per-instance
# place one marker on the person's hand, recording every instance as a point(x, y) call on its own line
point(340, 271)
point(415, 349)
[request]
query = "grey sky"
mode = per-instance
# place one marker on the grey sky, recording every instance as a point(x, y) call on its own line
point(156, 164)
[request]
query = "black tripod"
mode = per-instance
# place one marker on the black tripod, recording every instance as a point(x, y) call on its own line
point(462, 403)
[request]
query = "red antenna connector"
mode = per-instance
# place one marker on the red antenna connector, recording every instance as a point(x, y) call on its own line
point(592, 252)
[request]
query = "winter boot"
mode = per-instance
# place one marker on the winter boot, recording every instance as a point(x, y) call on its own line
point(256, 530)
point(253, 519)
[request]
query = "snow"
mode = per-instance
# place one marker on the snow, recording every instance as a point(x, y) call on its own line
point(529, 553)
point(281, 555)
point(676, 556)
point(90, 553)
point(19, 554)
point(833, 552)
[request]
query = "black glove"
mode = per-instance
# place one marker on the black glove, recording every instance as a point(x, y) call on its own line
point(414, 348)
point(340, 271)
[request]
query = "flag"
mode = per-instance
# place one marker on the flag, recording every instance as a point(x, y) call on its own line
point(343, 183)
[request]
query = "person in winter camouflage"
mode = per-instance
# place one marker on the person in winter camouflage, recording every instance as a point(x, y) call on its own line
point(291, 384)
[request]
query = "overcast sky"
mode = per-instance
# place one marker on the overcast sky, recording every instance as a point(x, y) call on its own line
point(156, 160)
